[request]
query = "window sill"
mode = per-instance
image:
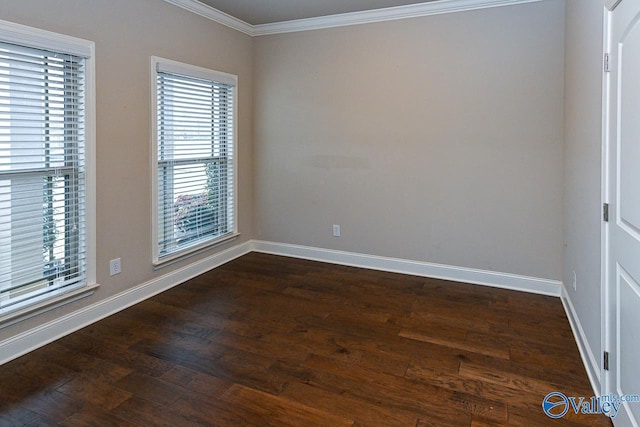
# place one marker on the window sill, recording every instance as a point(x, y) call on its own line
point(14, 315)
point(172, 259)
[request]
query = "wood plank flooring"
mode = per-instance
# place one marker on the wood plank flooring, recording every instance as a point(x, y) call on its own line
point(274, 341)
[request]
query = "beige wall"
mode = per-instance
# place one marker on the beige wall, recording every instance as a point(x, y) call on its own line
point(436, 139)
point(582, 165)
point(126, 34)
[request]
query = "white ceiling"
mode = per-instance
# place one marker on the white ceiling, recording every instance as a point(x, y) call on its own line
point(257, 12)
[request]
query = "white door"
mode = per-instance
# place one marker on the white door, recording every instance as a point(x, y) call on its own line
point(624, 203)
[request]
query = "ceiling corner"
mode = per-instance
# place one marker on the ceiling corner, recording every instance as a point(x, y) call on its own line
point(214, 15)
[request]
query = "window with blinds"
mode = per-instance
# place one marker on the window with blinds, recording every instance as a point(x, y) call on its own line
point(194, 117)
point(42, 174)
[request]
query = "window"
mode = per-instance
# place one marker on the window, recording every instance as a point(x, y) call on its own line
point(194, 158)
point(45, 127)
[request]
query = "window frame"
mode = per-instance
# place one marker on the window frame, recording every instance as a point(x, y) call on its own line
point(188, 70)
point(30, 37)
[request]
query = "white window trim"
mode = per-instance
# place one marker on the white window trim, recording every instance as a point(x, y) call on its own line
point(33, 37)
point(43, 39)
point(170, 66)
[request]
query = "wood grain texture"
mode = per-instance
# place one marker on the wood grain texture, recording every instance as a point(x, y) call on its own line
point(274, 341)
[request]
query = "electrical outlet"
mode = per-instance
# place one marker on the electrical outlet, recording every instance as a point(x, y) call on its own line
point(336, 230)
point(575, 281)
point(115, 267)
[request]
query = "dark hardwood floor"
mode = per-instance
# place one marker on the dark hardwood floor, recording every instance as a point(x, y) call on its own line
point(267, 340)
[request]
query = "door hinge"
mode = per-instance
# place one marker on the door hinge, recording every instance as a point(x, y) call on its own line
point(607, 66)
point(606, 360)
point(605, 212)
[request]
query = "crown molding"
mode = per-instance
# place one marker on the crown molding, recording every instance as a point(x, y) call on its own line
point(344, 19)
point(381, 15)
point(214, 15)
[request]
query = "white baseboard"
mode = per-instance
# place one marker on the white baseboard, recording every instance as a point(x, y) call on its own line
point(591, 364)
point(32, 339)
point(416, 268)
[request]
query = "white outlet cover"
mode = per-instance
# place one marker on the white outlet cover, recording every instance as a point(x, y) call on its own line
point(115, 267)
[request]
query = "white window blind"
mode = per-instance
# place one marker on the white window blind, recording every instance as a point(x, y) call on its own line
point(195, 114)
point(42, 174)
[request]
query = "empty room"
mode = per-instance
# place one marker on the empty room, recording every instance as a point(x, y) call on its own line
point(319, 213)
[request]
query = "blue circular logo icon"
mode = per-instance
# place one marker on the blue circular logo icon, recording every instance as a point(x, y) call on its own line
point(555, 405)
